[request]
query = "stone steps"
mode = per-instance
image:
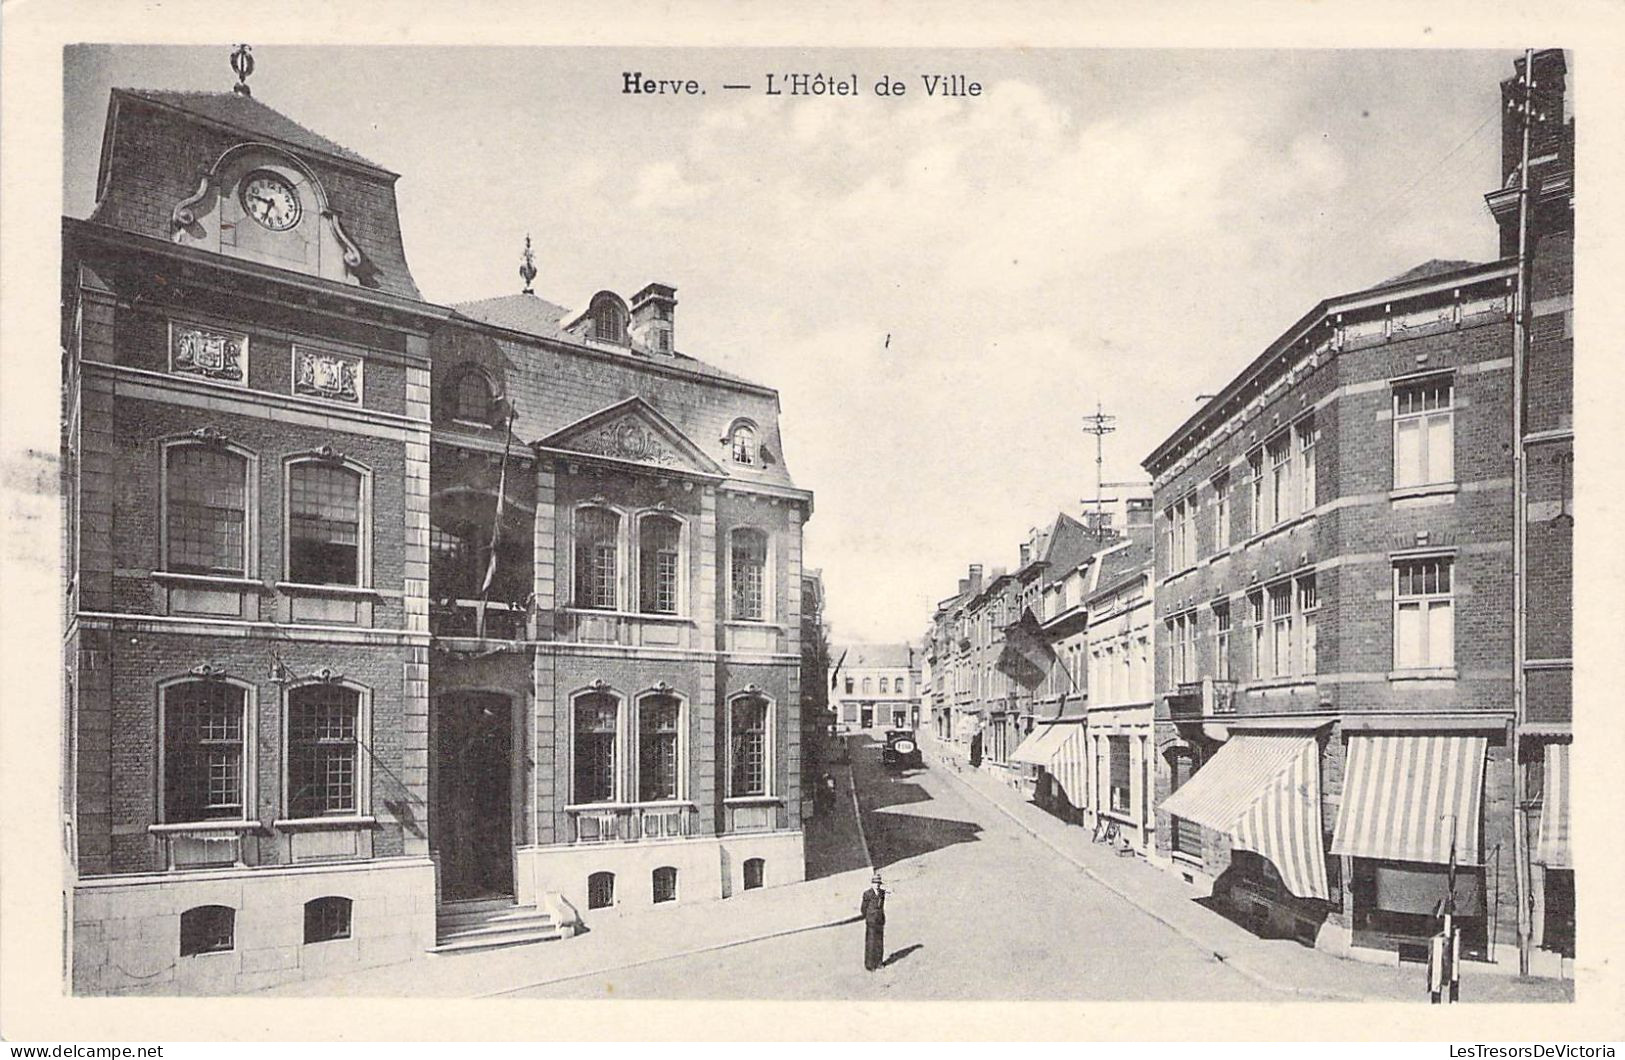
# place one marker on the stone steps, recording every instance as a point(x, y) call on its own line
point(464, 927)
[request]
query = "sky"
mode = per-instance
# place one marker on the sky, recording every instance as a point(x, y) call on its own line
point(940, 289)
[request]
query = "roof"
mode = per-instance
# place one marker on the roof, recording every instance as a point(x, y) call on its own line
point(1121, 562)
point(530, 314)
point(1430, 268)
point(250, 115)
point(1425, 277)
point(878, 656)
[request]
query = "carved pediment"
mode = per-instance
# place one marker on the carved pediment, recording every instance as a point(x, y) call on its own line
point(634, 432)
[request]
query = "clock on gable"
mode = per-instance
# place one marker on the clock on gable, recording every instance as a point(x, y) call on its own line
point(270, 200)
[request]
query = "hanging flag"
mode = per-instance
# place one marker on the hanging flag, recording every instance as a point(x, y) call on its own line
point(496, 524)
point(1027, 656)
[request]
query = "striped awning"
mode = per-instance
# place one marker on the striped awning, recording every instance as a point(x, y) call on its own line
point(1035, 749)
point(1553, 848)
point(1066, 763)
point(1264, 792)
point(1404, 796)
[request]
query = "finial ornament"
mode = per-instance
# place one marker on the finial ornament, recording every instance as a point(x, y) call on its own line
point(527, 271)
point(242, 62)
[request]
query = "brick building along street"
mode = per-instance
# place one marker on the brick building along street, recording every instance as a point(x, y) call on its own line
point(394, 626)
point(1337, 583)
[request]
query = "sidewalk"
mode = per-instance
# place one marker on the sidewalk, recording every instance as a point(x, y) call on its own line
point(837, 868)
point(1279, 964)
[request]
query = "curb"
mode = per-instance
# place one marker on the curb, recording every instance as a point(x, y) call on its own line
point(713, 948)
point(857, 810)
point(1128, 896)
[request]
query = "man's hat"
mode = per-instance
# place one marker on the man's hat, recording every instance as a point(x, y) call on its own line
point(876, 878)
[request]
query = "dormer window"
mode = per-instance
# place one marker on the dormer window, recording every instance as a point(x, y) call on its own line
point(473, 397)
point(742, 443)
point(609, 323)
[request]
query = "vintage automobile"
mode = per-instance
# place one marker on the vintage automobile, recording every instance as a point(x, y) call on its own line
point(902, 751)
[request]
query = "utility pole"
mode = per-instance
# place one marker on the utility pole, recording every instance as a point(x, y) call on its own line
point(1525, 110)
point(1099, 425)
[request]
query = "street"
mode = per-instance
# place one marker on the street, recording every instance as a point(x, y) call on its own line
point(978, 909)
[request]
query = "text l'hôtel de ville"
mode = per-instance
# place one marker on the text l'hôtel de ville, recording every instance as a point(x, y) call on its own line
point(946, 86)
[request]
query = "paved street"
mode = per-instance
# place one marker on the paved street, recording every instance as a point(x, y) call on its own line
point(980, 909)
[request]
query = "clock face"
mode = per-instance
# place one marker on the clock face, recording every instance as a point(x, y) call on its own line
point(271, 201)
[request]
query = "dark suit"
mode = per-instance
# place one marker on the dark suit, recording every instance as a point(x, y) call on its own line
point(874, 927)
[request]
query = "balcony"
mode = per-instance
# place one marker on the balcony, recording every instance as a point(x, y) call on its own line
point(1204, 697)
point(460, 618)
point(631, 822)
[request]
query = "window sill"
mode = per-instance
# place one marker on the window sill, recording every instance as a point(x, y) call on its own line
point(185, 827)
point(1278, 682)
point(1279, 528)
point(754, 623)
point(217, 581)
point(606, 612)
point(307, 589)
point(752, 800)
point(1437, 489)
point(300, 824)
point(601, 807)
point(1437, 673)
point(1186, 858)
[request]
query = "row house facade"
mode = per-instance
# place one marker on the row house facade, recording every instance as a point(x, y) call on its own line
point(875, 687)
point(1335, 590)
point(389, 620)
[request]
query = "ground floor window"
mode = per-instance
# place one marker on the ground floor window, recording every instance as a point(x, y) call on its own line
point(327, 919)
point(600, 890)
point(755, 868)
point(1117, 748)
point(1396, 906)
point(1187, 835)
point(664, 881)
point(1559, 912)
point(207, 929)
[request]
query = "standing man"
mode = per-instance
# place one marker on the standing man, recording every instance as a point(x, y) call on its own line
point(874, 924)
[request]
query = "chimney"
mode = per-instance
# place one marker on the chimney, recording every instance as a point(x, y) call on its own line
point(975, 577)
point(1026, 554)
point(1551, 139)
point(1139, 511)
point(653, 310)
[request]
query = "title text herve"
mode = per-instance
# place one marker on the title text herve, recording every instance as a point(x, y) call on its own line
point(951, 86)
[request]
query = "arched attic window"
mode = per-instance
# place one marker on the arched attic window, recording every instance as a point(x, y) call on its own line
point(472, 396)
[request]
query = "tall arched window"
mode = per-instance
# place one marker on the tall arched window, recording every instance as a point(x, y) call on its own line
point(204, 735)
point(206, 510)
point(596, 731)
point(748, 574)
point(748, 746)
point(473, 397)
point(885, 686)
point(742, 443)
point(868, 685)
point(597, 574)
point(660, 564)
point(326, 523)
point(323, 762)
point(658, 740)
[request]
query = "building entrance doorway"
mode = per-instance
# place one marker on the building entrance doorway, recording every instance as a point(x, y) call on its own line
point(868, 717)
point(473, 787)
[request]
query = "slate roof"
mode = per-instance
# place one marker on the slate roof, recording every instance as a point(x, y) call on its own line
point(533, 315)
point(250, 115)
point(1431, 267)
point(874, 656)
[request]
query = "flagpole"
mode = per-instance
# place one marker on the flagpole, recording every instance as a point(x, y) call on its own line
point(496, 527)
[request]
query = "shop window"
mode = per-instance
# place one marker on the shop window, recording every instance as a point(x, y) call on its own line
point(660, 561)
point(664, 883)
point(600, 890)
point(755, 872)
point(327, 919)
point(208, 929)
point(203, 739)
point(597, 573)
point(747, 723)
point(657, 748)
point(1121, 796)
point(325, 524)
point(323, 720)
point(206, 510)
point(596, 725)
